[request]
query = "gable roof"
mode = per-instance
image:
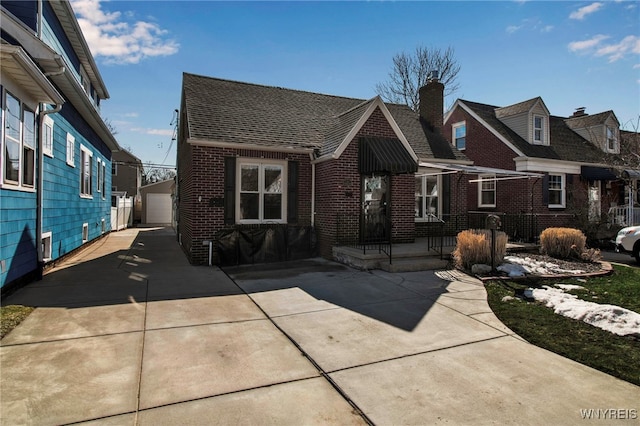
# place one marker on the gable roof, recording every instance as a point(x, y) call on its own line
point(565, 145)
point(520, 108)
point(589, 120)
point(229, 112)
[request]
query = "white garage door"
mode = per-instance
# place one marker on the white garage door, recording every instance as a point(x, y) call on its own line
point(158, 208)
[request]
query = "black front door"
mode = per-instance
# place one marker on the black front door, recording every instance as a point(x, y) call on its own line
point(375, 219)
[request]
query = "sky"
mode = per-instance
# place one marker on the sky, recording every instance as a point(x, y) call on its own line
point(571, 53)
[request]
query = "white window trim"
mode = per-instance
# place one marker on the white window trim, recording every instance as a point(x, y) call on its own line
point(426, 218)
point(544, 131)
point(47, 149)
point(616, 145)
point(99, 176)
point(563, 191)
point(87, 151)
point(454, 126)
point(104, 180)
point(85, 233)
point(491, 178)
point(261, 163)
point(71, 153)
point(114, 168)
point(18, 185)
point(47, 246)
point(103, 226)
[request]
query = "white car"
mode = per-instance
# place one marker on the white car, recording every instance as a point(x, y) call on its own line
point(628, 241)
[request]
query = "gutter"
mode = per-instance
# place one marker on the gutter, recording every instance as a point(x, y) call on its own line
point(39, 183)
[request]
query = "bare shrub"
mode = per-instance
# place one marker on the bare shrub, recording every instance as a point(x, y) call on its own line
point(474, 246)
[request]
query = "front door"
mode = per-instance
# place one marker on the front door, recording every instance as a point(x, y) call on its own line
point(375, 219)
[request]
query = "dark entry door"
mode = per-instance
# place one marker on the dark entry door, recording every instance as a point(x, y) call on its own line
point(374, 220)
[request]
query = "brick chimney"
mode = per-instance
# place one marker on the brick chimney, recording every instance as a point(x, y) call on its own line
point(431, 105)
point(579, 112)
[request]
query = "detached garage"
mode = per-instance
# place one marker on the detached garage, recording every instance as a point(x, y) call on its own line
point(157, 202)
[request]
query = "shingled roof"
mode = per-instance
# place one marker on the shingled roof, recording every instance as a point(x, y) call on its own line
point(565, 144)
point(226, 111)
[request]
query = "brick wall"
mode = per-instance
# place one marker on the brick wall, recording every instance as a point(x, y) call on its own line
point(202, 179)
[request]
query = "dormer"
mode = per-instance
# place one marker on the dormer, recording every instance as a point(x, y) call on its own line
point(529, 119)
point(602, 129)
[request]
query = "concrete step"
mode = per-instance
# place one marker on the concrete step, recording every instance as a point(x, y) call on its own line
point(413, 264)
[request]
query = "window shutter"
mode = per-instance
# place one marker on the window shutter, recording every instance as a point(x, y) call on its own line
point(568, 193)
point(545, 189)
point(292, 192)
point(229, 190)
point(446, 195)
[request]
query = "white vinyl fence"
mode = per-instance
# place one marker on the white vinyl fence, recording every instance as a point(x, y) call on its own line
point(121, 212)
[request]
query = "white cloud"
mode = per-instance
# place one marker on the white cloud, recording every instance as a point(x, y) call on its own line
point(613, 51)
point(110, 36)
point(546, 29)
point(513, 28)
point(577, 46)
point(636, 66)
point(581, 13)
point(155, 132)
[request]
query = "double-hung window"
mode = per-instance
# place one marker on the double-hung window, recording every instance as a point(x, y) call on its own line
point(47, 136)
point(487, 191)
point(556, 191)
point(427, 207)
point(261, 191)
point(612, 141)
point(538, 129)
point(19, 144)
point(71, 149)
point(459, 131)
point(86, 172)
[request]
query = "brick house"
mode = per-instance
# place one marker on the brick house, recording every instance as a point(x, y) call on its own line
point(573, 158)
point(266, 173)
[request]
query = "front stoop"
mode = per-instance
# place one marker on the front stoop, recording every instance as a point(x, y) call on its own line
point(406, 258)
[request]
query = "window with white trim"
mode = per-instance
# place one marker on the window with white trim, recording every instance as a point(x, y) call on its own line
point(114, 169)
point(261, 191)
point(459, 136)
point(71, 149)
point(85, 232)
point(427, 198)
point(18, 144)
point(557, 191)
point(46, 246)
point(86, 171)
point(486, 191)
point(47, 136)
point(104, 180)
point(612, 140)
point(99, 175)
point(538, 129)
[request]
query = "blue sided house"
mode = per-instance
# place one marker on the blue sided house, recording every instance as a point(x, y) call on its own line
point(55, 161)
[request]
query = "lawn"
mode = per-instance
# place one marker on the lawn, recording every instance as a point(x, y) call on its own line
point(584, 343)
point(11, 316)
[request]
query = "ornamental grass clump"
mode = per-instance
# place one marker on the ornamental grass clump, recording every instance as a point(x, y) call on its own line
point(474, 246)
point(563, 243)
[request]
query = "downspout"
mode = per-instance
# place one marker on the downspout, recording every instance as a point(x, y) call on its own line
point(40, 179)
point(40, 19)
point(313, 188)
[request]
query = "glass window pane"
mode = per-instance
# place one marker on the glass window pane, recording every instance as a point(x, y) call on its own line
point(461, 143)
point(273, 179)
point(488, 198)
point(419, 211)
point(555, 197)
point(12, 163)
point(432, 185)
point(28, 164)
point(418, 186)
point(461, 131)
point(249, 178)
point(12, 119)
point(29, 138)
point(272, 206)
point(249, 206)
point(432, 206)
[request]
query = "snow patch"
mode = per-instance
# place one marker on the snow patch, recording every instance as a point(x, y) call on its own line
point(569, 287)
point(532, 266)
point(611, 318)
point(512, 270)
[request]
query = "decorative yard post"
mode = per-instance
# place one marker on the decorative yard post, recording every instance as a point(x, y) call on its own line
point(493, 223)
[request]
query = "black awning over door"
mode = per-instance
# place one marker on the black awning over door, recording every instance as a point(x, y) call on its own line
point(591, 173)
point(384, 155)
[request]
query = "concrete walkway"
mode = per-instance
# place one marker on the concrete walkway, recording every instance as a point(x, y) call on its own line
point(128, 332)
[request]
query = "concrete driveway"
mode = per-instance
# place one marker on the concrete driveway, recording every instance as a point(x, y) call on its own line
point(129, 333)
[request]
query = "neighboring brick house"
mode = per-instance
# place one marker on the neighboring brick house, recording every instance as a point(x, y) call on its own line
point(265, 171)
point(56, 149)
point(574, 157)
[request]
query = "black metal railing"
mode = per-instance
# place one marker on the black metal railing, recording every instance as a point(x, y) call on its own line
point(369, 233)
